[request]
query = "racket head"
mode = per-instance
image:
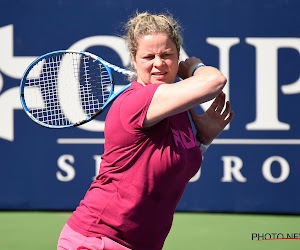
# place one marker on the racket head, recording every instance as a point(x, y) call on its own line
point(65, 88)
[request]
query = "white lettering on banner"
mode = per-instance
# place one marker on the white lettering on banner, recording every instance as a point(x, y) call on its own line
point(267, 82)
point(10, 65)
point(224, 45)
point(196, 177)
point(97, 159)
point(232, 166)
point(284, 166)
point(14, 67)
point(9, 102)
point(63, 163)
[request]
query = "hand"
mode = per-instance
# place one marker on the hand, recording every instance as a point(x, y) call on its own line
point(211, 124)
point(184, 66)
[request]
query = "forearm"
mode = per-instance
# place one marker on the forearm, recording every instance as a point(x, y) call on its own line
point(206, 81)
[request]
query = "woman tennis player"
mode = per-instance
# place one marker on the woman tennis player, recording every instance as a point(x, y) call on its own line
point(151, 151)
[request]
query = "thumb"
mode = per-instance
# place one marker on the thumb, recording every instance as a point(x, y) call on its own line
point(193, 113)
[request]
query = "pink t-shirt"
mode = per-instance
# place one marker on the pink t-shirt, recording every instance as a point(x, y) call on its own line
point(143, 174)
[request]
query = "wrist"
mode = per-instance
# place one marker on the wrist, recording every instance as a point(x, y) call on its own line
point(202, 141)
point(194, 68)
point(203, 146)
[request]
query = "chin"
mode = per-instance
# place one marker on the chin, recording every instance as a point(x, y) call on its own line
point(164, 80)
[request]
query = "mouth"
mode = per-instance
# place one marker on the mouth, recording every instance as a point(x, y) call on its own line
point(159, 75)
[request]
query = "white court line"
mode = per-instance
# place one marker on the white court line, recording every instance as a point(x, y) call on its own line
point(216, 141)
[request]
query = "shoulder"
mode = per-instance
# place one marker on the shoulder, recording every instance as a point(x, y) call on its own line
point(134, 103)
point(137, 94)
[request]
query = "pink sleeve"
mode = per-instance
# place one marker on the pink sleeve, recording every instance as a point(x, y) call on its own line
point(134, 107)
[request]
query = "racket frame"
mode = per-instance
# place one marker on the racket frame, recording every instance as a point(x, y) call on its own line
point(111, 98)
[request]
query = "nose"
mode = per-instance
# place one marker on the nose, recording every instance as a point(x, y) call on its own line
point(158, 62)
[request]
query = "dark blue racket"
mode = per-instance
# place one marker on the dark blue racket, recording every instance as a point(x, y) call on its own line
point(67, 88)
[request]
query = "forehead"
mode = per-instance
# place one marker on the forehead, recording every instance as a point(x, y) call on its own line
point(155, 43)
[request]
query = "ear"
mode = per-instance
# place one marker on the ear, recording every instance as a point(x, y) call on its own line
point(133, 61)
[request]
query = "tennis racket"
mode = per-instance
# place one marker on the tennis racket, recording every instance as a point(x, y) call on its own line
point(65, 88)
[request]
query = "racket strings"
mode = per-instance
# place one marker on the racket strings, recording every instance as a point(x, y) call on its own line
point(96, 85)
point(51, 112)
point(66, 88)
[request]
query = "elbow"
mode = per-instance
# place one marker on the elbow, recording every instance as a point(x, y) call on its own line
point(216, 79)
point(211, 84)
point(220, 81)
point(217, 83)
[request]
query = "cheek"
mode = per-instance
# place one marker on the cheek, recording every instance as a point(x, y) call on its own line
point(143, 71)
point(144, 68)
point(175, 67)
point(173, 62)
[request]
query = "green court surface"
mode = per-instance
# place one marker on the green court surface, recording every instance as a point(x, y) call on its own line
point(40, 231)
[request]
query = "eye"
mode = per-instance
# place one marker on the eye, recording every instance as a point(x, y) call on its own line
point(166, 55)
point(148, 57)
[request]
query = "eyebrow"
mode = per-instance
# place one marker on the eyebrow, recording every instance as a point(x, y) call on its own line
point(165, 51)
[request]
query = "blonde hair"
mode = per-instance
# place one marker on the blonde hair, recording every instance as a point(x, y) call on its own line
point(145, 24)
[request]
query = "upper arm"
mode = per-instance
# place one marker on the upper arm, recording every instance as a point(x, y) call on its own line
point(171, 99)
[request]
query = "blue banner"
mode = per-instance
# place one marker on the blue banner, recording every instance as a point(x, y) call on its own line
point(253, 167)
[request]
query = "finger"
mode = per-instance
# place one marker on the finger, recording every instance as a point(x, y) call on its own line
point(221, 102)
point(215, 103)
point(193, 113)
point(230, 117)
point(227, 109)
